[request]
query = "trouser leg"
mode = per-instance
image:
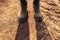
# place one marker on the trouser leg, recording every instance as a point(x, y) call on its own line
point(37, 15)
point(23, 6)
point(36, 6)
point(24, 13)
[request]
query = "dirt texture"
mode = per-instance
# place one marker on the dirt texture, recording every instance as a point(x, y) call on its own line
point(51, 11)
point(12, 29)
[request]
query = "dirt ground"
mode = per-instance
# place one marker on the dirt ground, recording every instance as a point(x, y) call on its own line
point(49, 29)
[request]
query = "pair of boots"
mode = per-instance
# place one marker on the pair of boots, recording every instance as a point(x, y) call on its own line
point(24, 12)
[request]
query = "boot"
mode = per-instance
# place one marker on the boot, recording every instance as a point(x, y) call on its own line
point(37, 15)
point(23, 17)
point(24, 13)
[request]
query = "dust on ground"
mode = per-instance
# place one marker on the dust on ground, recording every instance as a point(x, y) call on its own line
point(10, 12)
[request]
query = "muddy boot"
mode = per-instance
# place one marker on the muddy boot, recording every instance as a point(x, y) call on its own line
point(37, 16)
point(24, 13)
point(23, 17)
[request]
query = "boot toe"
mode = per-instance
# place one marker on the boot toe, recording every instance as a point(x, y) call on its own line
point(38, 18)
point(23, 18)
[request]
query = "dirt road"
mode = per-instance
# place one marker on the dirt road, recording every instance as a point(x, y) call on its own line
point(12, 29)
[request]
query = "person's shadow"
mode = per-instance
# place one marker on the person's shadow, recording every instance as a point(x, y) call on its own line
point(42, 32)
point(23, 31)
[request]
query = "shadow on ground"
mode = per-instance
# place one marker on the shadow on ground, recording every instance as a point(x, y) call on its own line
point(23, 31)
point(42, 32)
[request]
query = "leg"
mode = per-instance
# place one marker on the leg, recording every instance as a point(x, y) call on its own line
point(37, 15)
point(36, 6)
point(24, 13)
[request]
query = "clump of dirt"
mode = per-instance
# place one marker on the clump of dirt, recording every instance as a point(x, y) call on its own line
point(3, 3)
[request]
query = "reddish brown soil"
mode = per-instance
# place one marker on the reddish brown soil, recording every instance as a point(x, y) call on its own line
point(11, 29)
